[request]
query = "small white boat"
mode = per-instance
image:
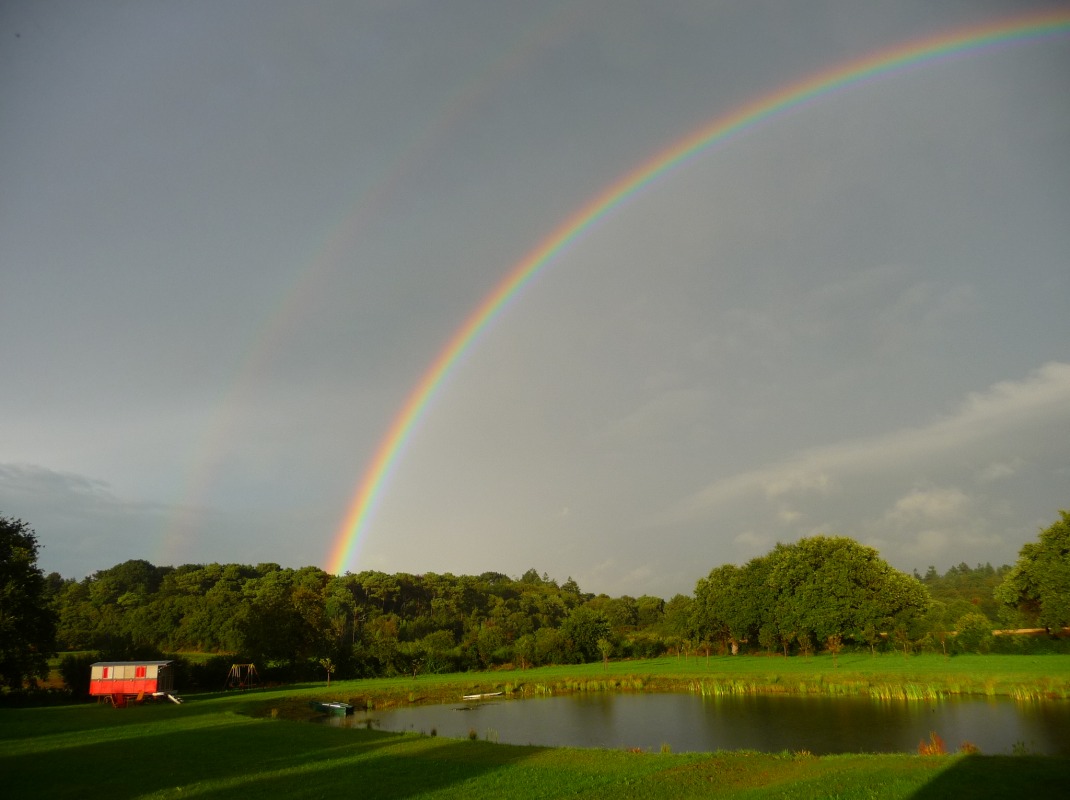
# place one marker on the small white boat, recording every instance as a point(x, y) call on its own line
point(483, 696)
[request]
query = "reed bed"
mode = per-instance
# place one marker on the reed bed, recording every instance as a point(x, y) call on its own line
point(885, 691)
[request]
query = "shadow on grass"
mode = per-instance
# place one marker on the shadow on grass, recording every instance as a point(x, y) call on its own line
point(233, 756)
point(61, 727)
point(999, 777)
point(409, 770)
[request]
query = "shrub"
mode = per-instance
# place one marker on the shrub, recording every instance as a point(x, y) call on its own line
point(643, 645)
point(74, 669)
point(933, 747)
point(207, 676)
point(974, 633)
point(1029, 644)
point(34, 696)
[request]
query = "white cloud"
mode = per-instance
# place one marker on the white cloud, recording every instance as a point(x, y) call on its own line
point(661, 414)
point(752, 542)
point(929, 544)
point(83, 526)
point(997, 470)
point(1010, 402)
point(80, 523)
point(799, 481)
point(939, 504)
point(633, 581)
point(27, 481)
point(1037, 401)
point(937, 523)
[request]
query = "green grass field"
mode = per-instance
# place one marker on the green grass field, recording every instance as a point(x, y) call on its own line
point(259, 744)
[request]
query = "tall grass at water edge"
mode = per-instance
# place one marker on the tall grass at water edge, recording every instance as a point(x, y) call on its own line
point(884, 677)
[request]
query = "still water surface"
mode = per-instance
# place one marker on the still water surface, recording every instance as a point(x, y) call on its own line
point(690, 723)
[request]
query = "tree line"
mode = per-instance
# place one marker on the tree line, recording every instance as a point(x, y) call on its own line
point(820, 593)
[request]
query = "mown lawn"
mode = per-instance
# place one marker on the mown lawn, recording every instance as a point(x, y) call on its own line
point(232, 746)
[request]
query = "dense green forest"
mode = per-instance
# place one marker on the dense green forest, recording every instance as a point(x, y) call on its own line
point(964, 590)
point(820, 593)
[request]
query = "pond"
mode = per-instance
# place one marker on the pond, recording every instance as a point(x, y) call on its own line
point(691, 723)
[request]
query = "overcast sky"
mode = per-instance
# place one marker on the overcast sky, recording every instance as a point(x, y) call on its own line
point(235, 235)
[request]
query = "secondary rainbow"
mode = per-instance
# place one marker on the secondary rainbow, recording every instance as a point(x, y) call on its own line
point(913, 54)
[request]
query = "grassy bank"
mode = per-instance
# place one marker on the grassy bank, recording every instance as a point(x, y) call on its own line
point(259, 744)
point(886, 677)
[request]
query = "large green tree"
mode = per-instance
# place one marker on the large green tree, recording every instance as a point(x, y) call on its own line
point(582, 628)
point(1038, 587)
point(833, 586)
point(27, 620)
point(283, 617)
point(718, 613)
point(819, 590)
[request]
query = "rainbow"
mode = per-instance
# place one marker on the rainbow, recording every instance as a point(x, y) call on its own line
point(882, 64)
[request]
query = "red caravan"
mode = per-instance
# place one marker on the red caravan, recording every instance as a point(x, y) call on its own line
point(121, 680)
